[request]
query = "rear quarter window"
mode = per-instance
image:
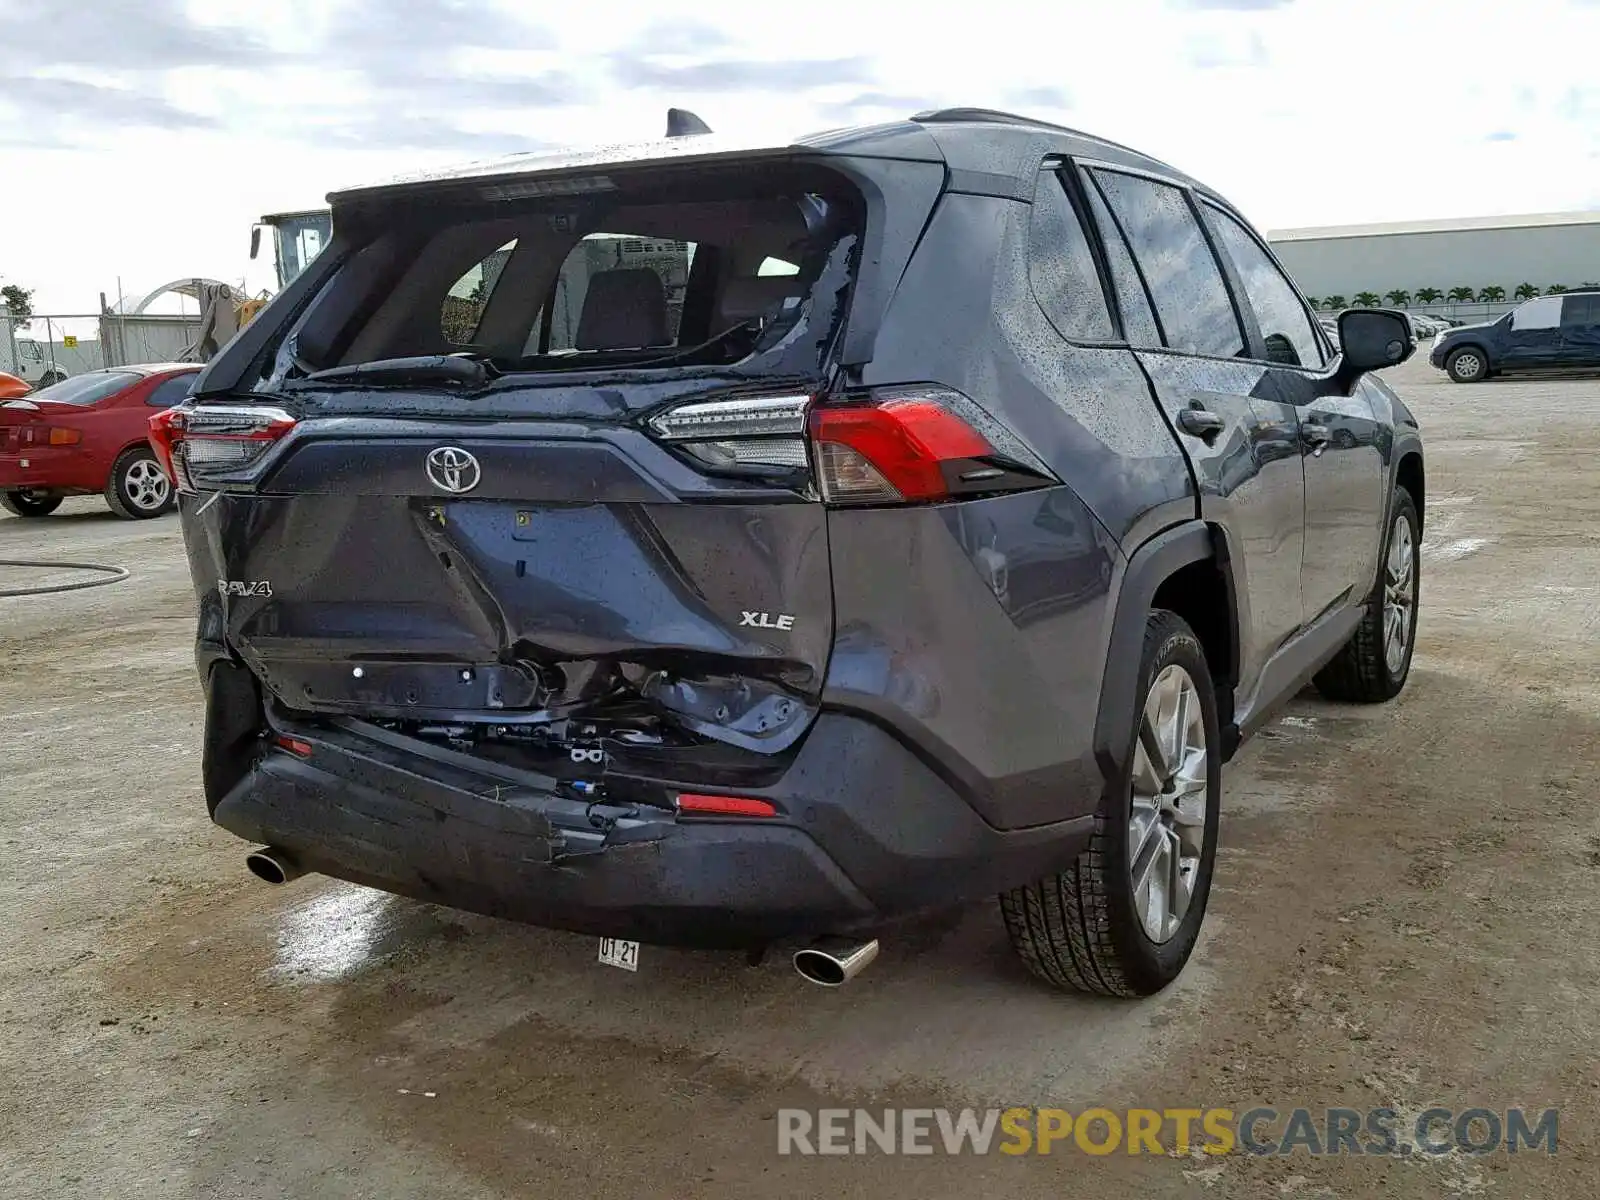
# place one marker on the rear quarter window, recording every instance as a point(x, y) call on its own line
point(1061, 266)
point(87, 389)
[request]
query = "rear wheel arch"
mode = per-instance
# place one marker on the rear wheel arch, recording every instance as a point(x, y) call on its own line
point(1185, 570)
point(1409, 474)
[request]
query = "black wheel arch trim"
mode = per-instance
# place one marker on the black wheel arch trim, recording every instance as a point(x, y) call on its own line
point(1148, 568)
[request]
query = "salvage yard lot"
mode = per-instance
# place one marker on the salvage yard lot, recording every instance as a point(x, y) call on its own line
point(1404, 914)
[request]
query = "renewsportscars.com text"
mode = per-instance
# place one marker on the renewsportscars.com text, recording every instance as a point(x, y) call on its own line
point(1181, 1131)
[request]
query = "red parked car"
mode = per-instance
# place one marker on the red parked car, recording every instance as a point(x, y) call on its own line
point(87, 434)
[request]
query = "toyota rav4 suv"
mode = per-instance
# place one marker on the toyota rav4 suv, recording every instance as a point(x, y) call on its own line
point(725, 543)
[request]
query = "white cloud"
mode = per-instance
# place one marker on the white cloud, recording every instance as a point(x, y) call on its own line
point(147, 143)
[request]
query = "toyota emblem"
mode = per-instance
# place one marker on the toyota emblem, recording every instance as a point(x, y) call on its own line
point(452, 469)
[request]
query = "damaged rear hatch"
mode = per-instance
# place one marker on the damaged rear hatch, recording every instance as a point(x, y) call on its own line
point(523, 469)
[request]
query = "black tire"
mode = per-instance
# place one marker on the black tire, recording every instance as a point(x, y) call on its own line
point(50, 379)
point(1468, 364)
point(1361, 672)
point(128, 491)
point(1080, 929)
point(27, 503)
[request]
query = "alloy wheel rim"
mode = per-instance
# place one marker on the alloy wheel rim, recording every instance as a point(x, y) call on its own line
point(1467, 365)
point(1399, 595)
point(147, 485)
point(1167, 825)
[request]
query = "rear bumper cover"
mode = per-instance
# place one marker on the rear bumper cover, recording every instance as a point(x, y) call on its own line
point(866, 832)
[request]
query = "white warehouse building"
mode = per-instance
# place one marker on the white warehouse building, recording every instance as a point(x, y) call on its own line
point(1542, 249)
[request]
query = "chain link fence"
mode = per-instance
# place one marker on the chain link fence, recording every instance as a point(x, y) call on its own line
point(53, 346)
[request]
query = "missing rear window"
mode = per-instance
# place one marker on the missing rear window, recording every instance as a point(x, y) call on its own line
point(702, 271)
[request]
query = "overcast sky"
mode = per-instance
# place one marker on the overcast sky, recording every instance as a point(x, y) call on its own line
point(140, 138)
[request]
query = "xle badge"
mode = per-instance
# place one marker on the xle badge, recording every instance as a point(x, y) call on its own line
point(763, 620)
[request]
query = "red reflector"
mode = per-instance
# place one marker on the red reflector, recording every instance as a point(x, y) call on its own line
point(294, 745)
point(725, 806)
point(165, 429)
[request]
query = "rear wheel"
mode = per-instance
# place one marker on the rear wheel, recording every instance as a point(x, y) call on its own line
point(1123, 919)
point(30, 502)
point(1467, 365)
point(1375, 662)
point(51, 378)
point(138, 487)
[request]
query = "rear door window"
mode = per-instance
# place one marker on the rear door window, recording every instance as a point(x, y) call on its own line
point(171, 391)
point(1179, 269)
point(1280, 313)
point(1133, 302)
point(1577, 312)
point(1061, 266)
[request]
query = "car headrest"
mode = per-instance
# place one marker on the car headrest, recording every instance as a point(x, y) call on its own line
point(623, 309)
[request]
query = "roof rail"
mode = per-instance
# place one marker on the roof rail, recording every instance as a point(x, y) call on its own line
point(995, 116)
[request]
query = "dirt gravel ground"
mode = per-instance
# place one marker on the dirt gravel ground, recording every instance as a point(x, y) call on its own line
point(1404, 914)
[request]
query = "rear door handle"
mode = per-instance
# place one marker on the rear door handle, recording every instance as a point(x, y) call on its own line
point(1200, 422)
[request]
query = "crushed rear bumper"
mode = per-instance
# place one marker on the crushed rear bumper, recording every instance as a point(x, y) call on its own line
point(866, 832)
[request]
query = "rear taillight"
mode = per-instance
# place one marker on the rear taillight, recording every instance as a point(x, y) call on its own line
point(897, 445)
point(750, 432)
point(49, 435)
point(196, 443)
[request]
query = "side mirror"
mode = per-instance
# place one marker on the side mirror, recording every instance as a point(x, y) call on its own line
point(1373, 338)
point(255, 240)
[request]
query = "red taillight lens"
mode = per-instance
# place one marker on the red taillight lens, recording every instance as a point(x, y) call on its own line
point(165, 429)
point(695, 804)
point(193, 443)
point(49, 435)
point(911, 445)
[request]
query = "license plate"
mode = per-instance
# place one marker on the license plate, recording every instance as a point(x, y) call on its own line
point(617, 953)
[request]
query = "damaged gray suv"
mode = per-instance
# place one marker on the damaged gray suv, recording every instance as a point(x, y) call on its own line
point(732, 544)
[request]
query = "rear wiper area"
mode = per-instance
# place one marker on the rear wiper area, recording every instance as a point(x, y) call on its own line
point(428, 368)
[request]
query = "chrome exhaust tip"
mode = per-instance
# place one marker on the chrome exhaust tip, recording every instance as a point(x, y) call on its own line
point(272, 865)
point(834, 962)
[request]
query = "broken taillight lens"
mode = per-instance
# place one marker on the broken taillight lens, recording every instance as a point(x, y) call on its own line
point(194, 443)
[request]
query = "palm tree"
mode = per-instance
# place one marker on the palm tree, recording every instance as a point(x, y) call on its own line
point(1398, 297)
point(1335, 303)
point(1555, 289)
point(1315, 302)
point(1460, 295)
point(1427, 295)
point(1525, 291)
point(1492, 294)
point(1368, 299)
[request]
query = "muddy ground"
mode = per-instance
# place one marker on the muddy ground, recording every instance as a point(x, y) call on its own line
point(1405, 914)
